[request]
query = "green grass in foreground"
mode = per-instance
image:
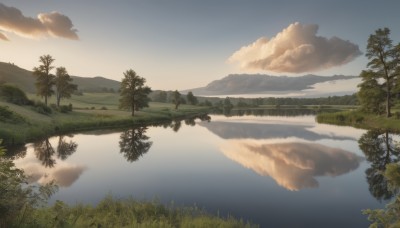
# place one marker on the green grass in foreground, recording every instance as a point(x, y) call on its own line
point(123, 213)
point(360, 119)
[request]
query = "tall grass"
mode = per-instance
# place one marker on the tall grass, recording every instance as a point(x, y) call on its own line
point(111, 212)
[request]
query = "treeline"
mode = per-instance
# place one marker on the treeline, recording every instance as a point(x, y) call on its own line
point(168, 97)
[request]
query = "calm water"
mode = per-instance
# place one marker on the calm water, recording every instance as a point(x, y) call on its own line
point(274, 171)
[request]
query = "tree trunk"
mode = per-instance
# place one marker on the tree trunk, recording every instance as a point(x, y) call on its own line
point(133, 110)
point(388, 114)
point(45, 100)
point(58, 101)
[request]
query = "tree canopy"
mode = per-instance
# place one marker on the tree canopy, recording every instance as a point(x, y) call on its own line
point(44, 79)
point(64, 87)
point(381, 81)
point(134, 93)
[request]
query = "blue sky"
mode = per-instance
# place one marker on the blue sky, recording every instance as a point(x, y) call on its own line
point(186, 44)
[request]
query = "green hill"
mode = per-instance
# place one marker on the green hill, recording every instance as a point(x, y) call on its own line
point(12, 74)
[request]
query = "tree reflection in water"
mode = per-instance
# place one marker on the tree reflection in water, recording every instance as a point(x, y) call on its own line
point(44, 151)
point(380, 149)
point(134, 143)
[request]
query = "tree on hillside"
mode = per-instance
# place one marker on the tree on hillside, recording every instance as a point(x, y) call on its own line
point(64, 87)
point(191, 98)
point(176, 99)
point(383, 65)
point(44, 79)
point(371, 96)
point(134, 93)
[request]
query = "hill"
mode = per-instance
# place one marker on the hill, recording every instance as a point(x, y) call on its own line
point(259, 83)
point(24, 79)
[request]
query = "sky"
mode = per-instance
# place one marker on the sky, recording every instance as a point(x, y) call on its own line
point(184, 44)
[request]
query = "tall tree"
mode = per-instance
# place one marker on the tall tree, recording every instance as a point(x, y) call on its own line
point(44, 79)
point(383, 64)
point(64, 87)
point(371, 96)
point(134, 94)
point(191, 98)
point(177, 98)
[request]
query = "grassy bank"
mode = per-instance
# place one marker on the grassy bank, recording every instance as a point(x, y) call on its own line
point(360, 119)
point(25, 124)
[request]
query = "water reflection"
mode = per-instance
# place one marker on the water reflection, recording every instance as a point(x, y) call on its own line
point(380, 149)
point(64, 174)
point(134, 143)
point(293, 166)
point(44, 151)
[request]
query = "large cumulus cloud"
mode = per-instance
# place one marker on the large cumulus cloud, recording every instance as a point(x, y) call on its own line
point(297, 49)
point(46, 24)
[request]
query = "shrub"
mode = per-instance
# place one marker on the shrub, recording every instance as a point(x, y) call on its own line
point(9, 116)
point(104, 108)
point(13, 94)
point(41, 108)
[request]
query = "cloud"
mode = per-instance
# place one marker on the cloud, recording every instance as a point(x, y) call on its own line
point(297, 49)
point(46, 24)
point(293, 166)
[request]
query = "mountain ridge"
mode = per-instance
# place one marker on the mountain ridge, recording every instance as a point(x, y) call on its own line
point(262, 83)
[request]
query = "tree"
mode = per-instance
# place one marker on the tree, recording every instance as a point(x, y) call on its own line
point(161, 97)
point(44, 80)
point(370, 95)
point(383, 65)
point(176, 98)
point(134, 94)
point(191, 98)
point(64, 87)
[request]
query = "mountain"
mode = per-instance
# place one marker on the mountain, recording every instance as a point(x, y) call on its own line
point(258, 83)
point(24, 79)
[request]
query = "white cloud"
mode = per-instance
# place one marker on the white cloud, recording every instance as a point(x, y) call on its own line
point(46, 24)
point(297, 49)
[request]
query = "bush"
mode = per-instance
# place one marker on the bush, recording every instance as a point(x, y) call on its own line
point(104, 108)
point(9, 116)
point(42, 108)
point(15, 95)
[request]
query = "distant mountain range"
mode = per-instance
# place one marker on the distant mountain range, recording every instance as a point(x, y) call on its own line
point(24, 79)
point(259, 84)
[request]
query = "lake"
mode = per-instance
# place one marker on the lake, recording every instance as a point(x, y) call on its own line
point(276, 171)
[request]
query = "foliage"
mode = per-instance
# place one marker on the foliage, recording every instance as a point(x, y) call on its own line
point(8, 116)
point(42, 108)
point(44, 80)
point(17, 198)
point(384, 65)
point(14, 95)
point(176, 98)
point(191, 98)
point(134, 94)
point(64, 87)
point(161, 96)
point(371, 96)
point(390, 216)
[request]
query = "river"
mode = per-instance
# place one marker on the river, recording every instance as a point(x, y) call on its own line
point(276, 171)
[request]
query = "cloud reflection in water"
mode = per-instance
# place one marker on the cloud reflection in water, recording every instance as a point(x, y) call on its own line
point(293, 166)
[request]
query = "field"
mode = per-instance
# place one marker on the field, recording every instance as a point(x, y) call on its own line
point(90, 111)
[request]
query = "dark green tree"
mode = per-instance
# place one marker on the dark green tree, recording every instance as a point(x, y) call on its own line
point(176, 98)
point(191, 98)
point(64, 87)
point(44, 79)
point(371, 95)
point(134, 93)
point(134, 143)
point(161, 97)
point(383, 65)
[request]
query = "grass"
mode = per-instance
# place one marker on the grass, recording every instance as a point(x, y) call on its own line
point(124, 213)
point(360, 119)
point(104, 114)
